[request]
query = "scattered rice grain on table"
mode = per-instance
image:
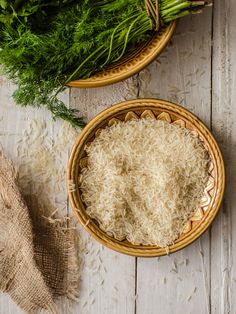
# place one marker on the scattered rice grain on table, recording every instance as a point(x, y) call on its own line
point(144, 180)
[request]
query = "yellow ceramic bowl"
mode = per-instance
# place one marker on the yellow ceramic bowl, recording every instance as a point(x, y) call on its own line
point(158, 109)
point(131, 64)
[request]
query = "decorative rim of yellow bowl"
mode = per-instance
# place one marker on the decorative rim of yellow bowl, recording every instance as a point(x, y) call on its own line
point(160, 109)
point(132, 64)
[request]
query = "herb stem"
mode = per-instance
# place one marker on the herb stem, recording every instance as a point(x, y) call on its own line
point(46, 44)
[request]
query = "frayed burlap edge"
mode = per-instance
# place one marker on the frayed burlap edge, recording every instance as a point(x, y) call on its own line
point(9, 256)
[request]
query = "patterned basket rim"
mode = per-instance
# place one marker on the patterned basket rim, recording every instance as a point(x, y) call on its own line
point(143, 105)
point(132, 65)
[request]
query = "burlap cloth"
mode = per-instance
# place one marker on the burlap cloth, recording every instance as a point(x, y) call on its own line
point(38, 258)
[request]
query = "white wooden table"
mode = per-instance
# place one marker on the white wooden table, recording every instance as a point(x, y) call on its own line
point(197, 70)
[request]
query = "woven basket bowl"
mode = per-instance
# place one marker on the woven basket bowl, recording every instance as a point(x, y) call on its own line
point(131, 64)
point(159, 109)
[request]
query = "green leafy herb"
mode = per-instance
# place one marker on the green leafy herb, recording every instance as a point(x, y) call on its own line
point(46, 44)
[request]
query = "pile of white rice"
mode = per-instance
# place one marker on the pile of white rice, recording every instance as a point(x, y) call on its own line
point(144, 180)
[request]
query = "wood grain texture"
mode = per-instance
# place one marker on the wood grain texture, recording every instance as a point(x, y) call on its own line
point(15, 124)
point(108, 280)
point(180, 283)
point(223, 237)
point(202, 277)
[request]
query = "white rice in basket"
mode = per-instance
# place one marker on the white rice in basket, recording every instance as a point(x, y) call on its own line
point(144, 180)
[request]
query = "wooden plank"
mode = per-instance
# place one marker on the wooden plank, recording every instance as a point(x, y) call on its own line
point(20, 129)
point(180, 283)
point(165, 285)
point(9, 134)
point(108, 278)
point(12, 119)
point(116, 279)
point(223, 236)
point(91, 101)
